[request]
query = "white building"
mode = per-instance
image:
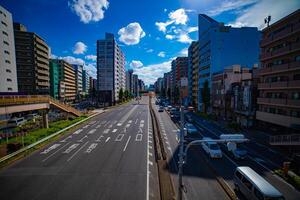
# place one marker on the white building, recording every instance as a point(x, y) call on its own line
point(8, 69)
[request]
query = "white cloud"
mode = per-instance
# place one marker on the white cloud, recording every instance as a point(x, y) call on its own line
point(230, 5)
point(192, 29)
point(184, 38)
point(135, 64)
point(72, 60)
point(91, 69)
point(183, 52)
point(79, 48)
point(255, 14)
point(165, 10)
point(89, 10)
point(170, 37)
point(161, 54)
point(150, 73)
point(131, 34)
point(91, 57)
point(178, 16)
point(149, 50)
point(53, 56)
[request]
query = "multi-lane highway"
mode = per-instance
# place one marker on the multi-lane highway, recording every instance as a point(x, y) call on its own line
point(109, 157)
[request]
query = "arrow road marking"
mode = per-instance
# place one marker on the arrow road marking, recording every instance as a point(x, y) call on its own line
point(77, 151)
point(99, 139)
point(92, 131)
point(115, 130)
point(138, 137)
point(107, 139)
point(119, 138)
point(106, 131)
point(78, 131)
point(81, 140)
point(91, 148)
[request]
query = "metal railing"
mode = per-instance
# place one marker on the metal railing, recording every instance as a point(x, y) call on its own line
point(285, 140)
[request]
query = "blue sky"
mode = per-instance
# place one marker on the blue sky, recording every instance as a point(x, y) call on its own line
point(150, 32)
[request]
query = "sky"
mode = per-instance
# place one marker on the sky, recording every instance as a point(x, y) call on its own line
point(150, 32)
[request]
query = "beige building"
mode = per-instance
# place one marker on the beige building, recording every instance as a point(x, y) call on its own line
point(279, 76)
point(32, 57)
point(67, 82)
point(8, 69)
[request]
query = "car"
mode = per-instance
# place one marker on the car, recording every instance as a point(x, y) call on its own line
point(191, 133)
point(168, 108)
point(14, 122)
point(191, 129)
point(211, 148)
point(161, 109)
point(175, 116)
point(189, 118)
point(32, 116)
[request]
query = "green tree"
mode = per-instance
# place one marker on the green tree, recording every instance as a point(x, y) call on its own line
point(121, 95)
point(126, 94)
point(205, 93)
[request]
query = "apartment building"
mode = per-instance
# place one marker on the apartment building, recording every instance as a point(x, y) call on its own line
point(85, 82)
point(32, 58)
point(67, 83)
point(181, 78)
point(78, 80)
point(110, 70)
point(221, 46)
point(8, 69)
point(54, 79)
point(193, 67)
point(129, 81)
point(279, 76)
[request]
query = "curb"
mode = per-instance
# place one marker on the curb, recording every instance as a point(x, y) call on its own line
point(9, 156)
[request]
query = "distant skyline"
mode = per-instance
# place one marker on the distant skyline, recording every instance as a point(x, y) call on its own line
point(150, 33)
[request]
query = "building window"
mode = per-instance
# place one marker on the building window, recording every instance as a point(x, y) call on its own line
point(296, 95)
point(297, 58)
point(7, 61)
point(9, 89)
point(2, 22)
point(295, 113)
point(4, 33)
point(6, 43)
point(8, 80)
point(6, 52)
point(297, 77)
point(8, 70)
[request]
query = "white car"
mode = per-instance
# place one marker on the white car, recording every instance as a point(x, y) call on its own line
point(212, 148)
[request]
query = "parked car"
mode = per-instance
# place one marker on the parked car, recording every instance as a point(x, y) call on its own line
point(175, 116)
point(161, 109)
point(189, 118)
point(212, 148)
point(253, 186)
point(191, 133)
point(32, 116)
point(14, 122)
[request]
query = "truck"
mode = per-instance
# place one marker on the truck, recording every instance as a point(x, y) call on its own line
point(234, 149)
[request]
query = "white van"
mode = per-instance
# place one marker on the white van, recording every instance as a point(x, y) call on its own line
point(16, 122)
point(253, 186)
point(211, 148)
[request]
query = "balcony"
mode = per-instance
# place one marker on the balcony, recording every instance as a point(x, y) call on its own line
point(294, 84)
point(280, 68)
point(294, 102)
point(281, 120)
point(263, 85)
point(285, 102)
point(278, 52)
point(280, 84)
point(263, 100)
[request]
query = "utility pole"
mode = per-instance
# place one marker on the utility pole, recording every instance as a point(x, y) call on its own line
point(181, 154)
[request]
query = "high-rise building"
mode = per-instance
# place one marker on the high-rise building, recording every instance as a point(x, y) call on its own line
point(78, 79)
point(67, 83)
point(85, 82)
point(193, 67)
point(110, 70)
point(129, 81)
point(221, 46)
point(8, 69)
point(135, 83)
point(54, 79)
point(32, 58)
point(279, 76)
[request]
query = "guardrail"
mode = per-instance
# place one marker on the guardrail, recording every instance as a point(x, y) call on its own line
point(7, 157)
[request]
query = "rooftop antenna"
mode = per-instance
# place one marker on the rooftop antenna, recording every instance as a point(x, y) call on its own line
point(267, 20)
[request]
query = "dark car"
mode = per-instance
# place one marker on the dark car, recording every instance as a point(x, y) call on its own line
point(161, 109)
point(192, 133)
point(175, 116)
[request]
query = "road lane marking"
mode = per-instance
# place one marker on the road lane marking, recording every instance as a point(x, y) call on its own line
point(136, 121)
point(110, 126)
point(81, 140)
point(91, 148)
point(77, 151)
point(130, 121)
point(71, 148)
point(78, 131)
point(64, 140)
point(98, 126)
point(138, 137)
point(140, 130)
point(127, 125)
point(92, 131)
point(126, 143)
point(106, 131)
point(141, 125)
point(150, 162)
point(119, 124)
point(55, 152)
point(115, 130)
point(119, 138)
point(99, 139)
point(124, 130)
point(86, 126)
point(92, 122)
point(50, 148)
point(107, 139)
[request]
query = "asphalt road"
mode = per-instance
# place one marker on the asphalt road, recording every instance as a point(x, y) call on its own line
point(109, 157)
point(198, 179)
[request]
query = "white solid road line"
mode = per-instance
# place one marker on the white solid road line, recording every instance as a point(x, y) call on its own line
point(92, 131)
point(81, 140)
point(106, 131)
point(55, 152)
point(78, 131)
point(119, 138)
point(77, 151)
point(119, 124)
point(147, 184)
point(136, 121)
point(107, 139)
point(115, 130)
point(126, 143)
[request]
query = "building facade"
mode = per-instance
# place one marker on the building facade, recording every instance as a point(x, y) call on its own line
point(221, 46)
point(279, 76)
point(110, 70)
point(193, 67)
point(135, 85)
point(67, 83)
point(54, 79)
point(129, 81)
point(85, 82)
point(32, 58)
point(8, 69)
point(78, 80)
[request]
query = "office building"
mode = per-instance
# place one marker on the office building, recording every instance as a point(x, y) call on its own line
point(67, 82)
point(193, 67)
point(8, 69)
point(279, 76)
point(32, 58)
point(129, 81)
point(135, 85)
point(78, 80)
point(110, 70)
point(54, 79)
point(221, 46)
point(85, 82)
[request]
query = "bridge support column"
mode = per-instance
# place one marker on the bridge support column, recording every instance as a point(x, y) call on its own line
point(45, 119)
